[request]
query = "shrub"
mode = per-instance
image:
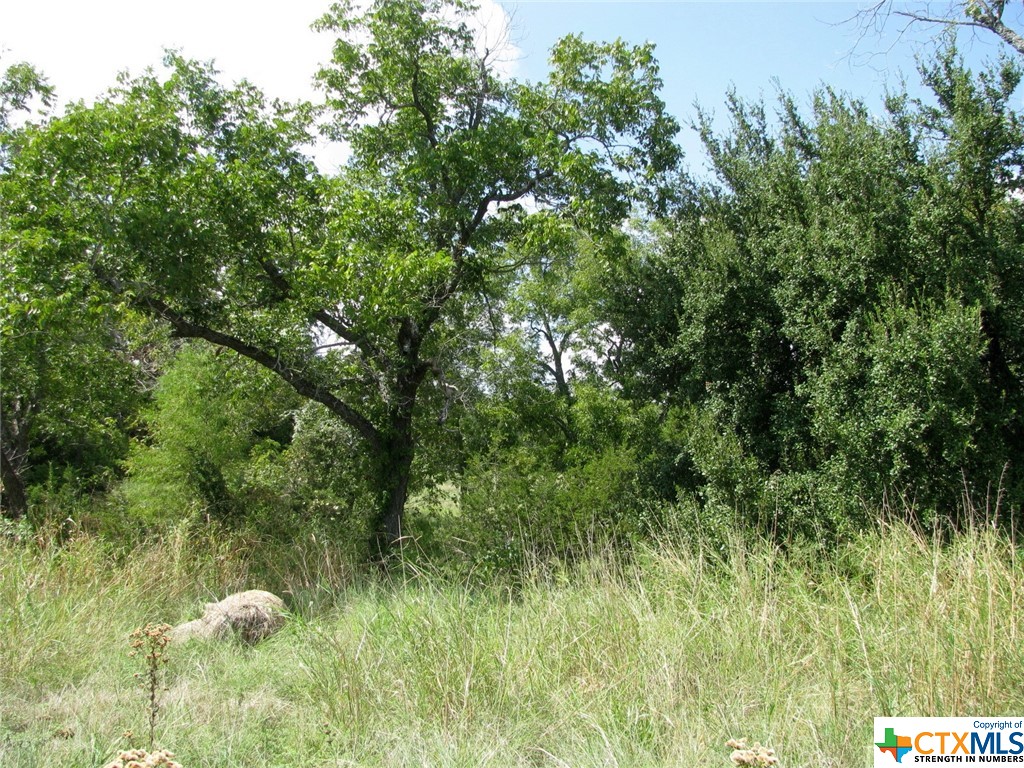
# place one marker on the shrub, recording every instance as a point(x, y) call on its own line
point(516, 511)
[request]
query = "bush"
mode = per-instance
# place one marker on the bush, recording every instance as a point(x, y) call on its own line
point(833, 320)
point(217, 429)
point(516, 512)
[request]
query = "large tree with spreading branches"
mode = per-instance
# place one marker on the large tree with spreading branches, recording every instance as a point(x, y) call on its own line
point(194, 203)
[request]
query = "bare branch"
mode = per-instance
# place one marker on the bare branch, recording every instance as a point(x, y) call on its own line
point(976, 14)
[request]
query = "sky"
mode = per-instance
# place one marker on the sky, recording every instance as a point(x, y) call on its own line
point(704, 48)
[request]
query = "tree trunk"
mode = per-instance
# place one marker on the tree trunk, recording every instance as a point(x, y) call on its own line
point(398, 445)
point(395, 470)
point(13, 500)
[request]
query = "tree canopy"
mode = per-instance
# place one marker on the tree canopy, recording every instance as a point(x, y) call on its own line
point(834, 316)
point(192, 202)
point(511, 303)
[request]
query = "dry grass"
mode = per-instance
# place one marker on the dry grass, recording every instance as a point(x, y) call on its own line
point(656, 662)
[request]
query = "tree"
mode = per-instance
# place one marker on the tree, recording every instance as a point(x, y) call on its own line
point(988, 15)
point(19, 86)
point(545, 335)
point(69, 390)
point(835, 316)
point(192, 202)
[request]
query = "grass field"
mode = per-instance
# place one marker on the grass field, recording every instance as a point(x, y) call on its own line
point(654, 662)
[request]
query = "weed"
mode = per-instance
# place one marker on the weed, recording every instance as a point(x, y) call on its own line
point(753, 755)
point(152, 640)
point(140, 758)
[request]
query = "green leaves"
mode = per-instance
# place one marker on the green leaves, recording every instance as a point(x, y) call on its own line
point(836, 301)
point(192, 202)
point(21, 86)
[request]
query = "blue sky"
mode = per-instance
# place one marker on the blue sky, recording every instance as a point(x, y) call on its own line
point(704, 47)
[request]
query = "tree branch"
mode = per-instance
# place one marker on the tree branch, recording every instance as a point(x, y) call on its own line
point(990, 21)
point(325, 318)
point(1009, 36)
point(507, 197)
point(978, 14)
point(561, 385)
point(421, 108)
point(185, 329)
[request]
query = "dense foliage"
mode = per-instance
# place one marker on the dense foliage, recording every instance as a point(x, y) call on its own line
point(511, 305)
point(836, 315)
point(191, 202)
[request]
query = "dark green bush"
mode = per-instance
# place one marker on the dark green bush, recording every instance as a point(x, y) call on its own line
point(834, 320)
point(516, 512)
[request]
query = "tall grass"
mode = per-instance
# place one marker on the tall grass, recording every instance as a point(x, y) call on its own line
point(654, 661)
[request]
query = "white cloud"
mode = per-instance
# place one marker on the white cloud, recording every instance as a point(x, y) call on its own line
point(492, 26)
point(81, 46)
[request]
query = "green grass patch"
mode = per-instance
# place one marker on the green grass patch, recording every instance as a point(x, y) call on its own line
point(655, 661)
